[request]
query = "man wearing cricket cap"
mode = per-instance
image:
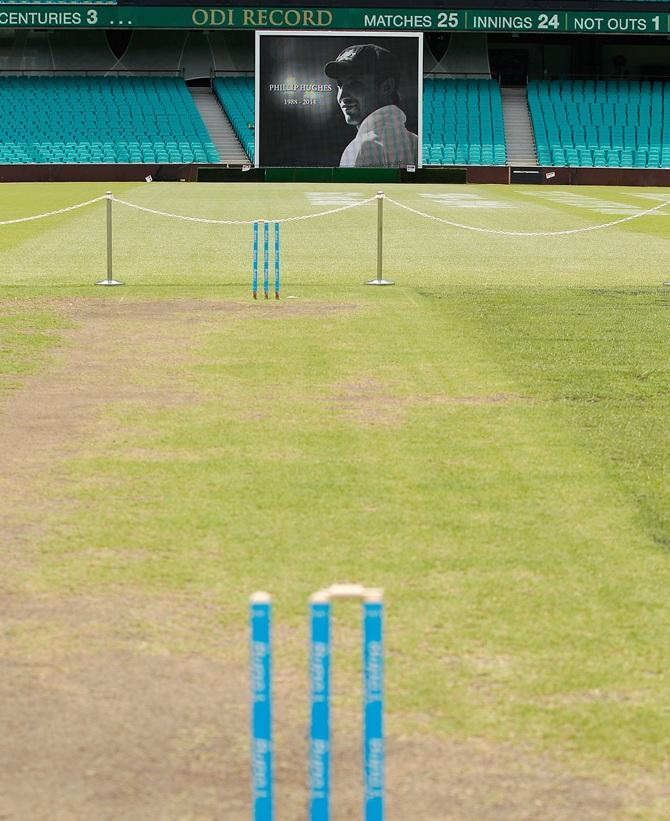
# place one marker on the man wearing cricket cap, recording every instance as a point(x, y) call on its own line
point(367, 93)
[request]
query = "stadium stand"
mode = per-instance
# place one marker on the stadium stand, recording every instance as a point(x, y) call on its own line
point(467, 118)
point(462, 122)
point(93, 119)
point(236, 95)
point(601, 123)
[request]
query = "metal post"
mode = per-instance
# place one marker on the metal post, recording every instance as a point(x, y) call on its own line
point(380, 232)
point(110, 279)
point(319, 737)
point(373, 705)
point(380, 242)
point(261, 707)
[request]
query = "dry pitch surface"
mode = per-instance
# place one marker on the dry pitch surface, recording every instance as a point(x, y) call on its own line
point(490, 432)
point(103, 719)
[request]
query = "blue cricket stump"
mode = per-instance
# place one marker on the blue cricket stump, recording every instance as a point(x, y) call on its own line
point(319, 689)
point(254, 275)
point(276, 260)
point(373, 700)
point(319, 699)
point(373, 705)
point(261, 707)
point(266, 259)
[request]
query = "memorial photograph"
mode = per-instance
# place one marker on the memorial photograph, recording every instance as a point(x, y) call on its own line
point(338, 100)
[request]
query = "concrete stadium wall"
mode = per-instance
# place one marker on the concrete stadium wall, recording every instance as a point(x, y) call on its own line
point(568, 176)
point(500, 175)
point(97, 173)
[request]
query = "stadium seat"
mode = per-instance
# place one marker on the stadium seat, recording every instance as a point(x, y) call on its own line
point(95, 119)
point(619, 122)
point(464, 119)
point(236, 95)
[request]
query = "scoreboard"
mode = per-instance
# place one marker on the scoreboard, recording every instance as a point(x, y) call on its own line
point(404, 4)
point(539, 19)
point(631, 17)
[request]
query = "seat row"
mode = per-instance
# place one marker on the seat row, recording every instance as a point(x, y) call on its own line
point(236, 95)
point(154, 119)
point(610, 158)
point(81, 119)
point(633, 131)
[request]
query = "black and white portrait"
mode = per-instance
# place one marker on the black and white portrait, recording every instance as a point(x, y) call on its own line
point(338, 100)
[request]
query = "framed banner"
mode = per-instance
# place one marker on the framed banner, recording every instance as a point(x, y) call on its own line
point(348, 100)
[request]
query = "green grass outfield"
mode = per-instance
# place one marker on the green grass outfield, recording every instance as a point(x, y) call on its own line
point(489, 440)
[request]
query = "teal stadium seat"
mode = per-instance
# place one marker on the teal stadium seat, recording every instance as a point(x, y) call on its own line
point(53, 119)
point(606, 123)
point(237, 97)
point(463, 122)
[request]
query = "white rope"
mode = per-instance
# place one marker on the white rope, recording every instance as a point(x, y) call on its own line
point(337, 211)
point(527, 233)
point(52, 213)
point(242, 222)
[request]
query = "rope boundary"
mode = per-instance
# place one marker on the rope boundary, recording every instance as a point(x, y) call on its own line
point(342, 208)
point(52, 213)
point(525, 233)
point(244, 222)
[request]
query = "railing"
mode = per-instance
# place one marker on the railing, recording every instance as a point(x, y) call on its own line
point(93, 72)
point(634, 77)
point(234, 72)
point(487, 75)
point(60, 2)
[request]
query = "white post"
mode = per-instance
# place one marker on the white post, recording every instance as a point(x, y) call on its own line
point(380, 242)
point(110, 279)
